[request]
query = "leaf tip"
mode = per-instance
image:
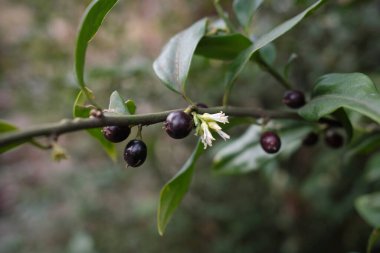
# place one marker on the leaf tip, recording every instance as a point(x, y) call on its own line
point(160, 231)
point(160, 223)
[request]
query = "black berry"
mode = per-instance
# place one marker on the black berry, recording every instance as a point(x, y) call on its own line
point(294, 98)
point(270, 142)
point(178, 124)
point(333, 138)
point(135, 153)
point(116, 133)
point(310, 139)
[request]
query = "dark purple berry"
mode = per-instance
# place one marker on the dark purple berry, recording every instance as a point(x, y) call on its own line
point(333, 138)
point(270, 142)
point(135, 153)
point(116, 133)
point(311, 139)
point(294, 98)
point(178, 124)
point(201, 105)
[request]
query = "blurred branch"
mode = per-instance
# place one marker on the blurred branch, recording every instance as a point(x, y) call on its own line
point(224, 16)
point(273, 72)
point(71, 125)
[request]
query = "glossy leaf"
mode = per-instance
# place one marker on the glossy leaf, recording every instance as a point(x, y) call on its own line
point(91, 21)
point(222, 47)
point(245, 153)
point(373, 239)
point(80, 110)
point(368, 207)
point(242, 59)
point(173, 192)
point(244, 10)
point(6, 127)
point(117, 104)
point(354, 92)
point(173, 64)
point(131, 106)
point(268, 53)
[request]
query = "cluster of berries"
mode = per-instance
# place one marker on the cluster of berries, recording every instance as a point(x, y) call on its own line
point(135, 152)
point(178, 125)
point(271, 142)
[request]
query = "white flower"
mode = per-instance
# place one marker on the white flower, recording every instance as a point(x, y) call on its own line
point(206, 122)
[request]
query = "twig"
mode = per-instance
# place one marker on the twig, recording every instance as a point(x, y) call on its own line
point(273, 72)
point(71, 125)
point(224, 16)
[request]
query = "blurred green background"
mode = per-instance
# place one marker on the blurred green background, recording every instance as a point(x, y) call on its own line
point(88, 204)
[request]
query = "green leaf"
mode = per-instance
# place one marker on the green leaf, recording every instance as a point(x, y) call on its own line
point(245, 153)
point(372, 169)
point(268, 53)
point(373, 239)
point(368, 207)
point(222, 47)
point(244, 10)
point(80, 110)
point(242, 59)
point(173, 192)
point(91, 21)
point(362, 145)
point(173, 64)
point(343, 118)
point(131, 106)
point(6, 127)
point(117, 104)
point(353, 91)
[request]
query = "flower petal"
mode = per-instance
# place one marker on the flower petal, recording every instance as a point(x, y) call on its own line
point(207, 137)
point(214, 126)
point(219, 117)
point(223, 134)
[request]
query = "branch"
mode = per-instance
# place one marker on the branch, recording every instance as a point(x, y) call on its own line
point(71, 125)
point(272, 71)
point(224, 16)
